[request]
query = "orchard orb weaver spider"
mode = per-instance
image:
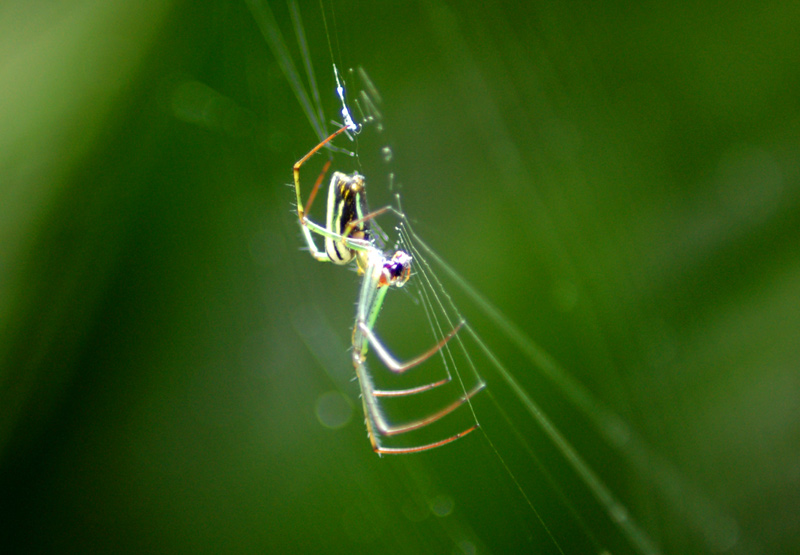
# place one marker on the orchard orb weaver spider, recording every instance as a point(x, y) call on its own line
point(347, 236)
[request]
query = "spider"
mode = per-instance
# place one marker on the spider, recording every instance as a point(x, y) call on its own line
point(348, 237)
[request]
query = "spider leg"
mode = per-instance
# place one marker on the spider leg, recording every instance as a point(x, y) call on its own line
point(350, 242)
point(319, 255)
point(377, 425)
point(381, 450)
point(388, 430)
point(296, 171)
point(359, 359)
point(393, 364)
point(372, 215)
point(317, 183)
point(409, 391)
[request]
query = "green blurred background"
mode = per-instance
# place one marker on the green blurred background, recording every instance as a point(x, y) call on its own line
point(621, 179)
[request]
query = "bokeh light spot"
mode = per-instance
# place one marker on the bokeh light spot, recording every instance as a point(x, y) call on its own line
point(334, 411)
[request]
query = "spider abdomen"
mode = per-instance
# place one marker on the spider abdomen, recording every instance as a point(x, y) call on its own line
point(347, 206)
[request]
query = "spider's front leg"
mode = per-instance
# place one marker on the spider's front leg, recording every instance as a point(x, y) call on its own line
point(307, 225)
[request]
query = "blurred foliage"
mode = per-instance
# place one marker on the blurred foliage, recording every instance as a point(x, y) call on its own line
point(620, 179)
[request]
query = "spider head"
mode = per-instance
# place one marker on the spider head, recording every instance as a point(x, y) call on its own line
point(396, 270)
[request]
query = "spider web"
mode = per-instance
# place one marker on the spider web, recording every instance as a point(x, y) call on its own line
point(512, 420)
